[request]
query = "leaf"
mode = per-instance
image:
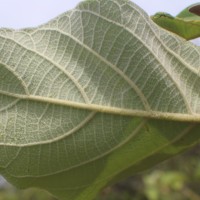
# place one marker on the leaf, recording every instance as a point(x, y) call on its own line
point(95, 95)
point(195, 9)
point(190, 13)
point(186, 24)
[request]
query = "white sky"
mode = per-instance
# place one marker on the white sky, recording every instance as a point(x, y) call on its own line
point(24, 13)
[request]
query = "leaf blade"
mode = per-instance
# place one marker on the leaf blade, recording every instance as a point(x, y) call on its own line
point(101, 86)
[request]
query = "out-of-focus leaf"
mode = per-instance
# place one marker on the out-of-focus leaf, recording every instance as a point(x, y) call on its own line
point(186, 24)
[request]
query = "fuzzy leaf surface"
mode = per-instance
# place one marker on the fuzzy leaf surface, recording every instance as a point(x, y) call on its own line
point(94, 95)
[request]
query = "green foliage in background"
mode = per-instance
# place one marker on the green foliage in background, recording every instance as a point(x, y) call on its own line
point(176, 179)
point(186, 24)
point(95, 95)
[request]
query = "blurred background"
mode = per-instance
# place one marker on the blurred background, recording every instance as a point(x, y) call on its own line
point(176, 179)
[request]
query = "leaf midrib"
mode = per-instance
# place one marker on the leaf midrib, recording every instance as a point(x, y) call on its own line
point(184, 117)
point(118, 71)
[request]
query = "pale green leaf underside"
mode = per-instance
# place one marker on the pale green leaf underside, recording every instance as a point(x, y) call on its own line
point(94, 95)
